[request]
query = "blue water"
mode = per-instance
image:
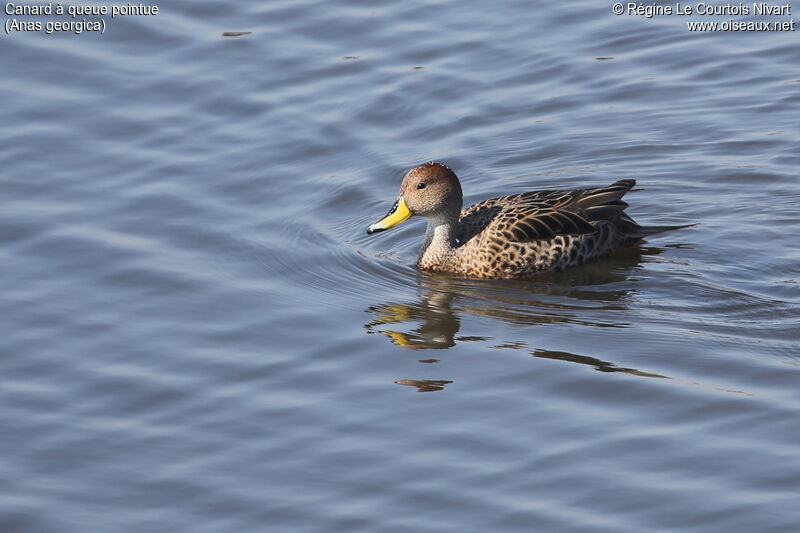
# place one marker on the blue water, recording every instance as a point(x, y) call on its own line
point(198, 335)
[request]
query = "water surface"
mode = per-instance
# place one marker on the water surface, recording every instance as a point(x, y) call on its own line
point(198, 335)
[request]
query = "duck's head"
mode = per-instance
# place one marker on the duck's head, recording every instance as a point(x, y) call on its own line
point(431, 190)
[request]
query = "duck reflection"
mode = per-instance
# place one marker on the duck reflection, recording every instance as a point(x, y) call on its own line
point(598, 364)
point(578, 296)
point(424, 385)
point(437, 328)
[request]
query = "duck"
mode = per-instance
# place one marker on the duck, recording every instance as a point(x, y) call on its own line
point(515, 236)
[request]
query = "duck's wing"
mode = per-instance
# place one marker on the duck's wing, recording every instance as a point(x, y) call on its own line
point(599, 203)
point(537, 222)
point(544, 214)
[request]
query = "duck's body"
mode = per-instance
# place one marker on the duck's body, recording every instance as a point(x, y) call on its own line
point(512, 236)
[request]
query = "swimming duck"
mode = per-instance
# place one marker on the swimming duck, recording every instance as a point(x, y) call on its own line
point(512, 236)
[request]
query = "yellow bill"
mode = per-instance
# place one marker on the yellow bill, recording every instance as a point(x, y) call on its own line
point(397, 214)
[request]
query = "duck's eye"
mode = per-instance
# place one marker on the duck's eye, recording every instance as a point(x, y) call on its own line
point(420, 185)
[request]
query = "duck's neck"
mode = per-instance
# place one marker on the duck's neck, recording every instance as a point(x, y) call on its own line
point(438, 251)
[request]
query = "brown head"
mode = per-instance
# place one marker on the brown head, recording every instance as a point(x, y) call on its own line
point(429, 190)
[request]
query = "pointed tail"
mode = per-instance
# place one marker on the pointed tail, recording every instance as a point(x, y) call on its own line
point(644, 231)
point(633, 230)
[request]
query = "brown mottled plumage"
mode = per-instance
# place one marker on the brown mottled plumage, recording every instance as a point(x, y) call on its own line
point(512, 236)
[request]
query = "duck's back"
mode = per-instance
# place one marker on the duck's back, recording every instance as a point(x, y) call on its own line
point(519, 235)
